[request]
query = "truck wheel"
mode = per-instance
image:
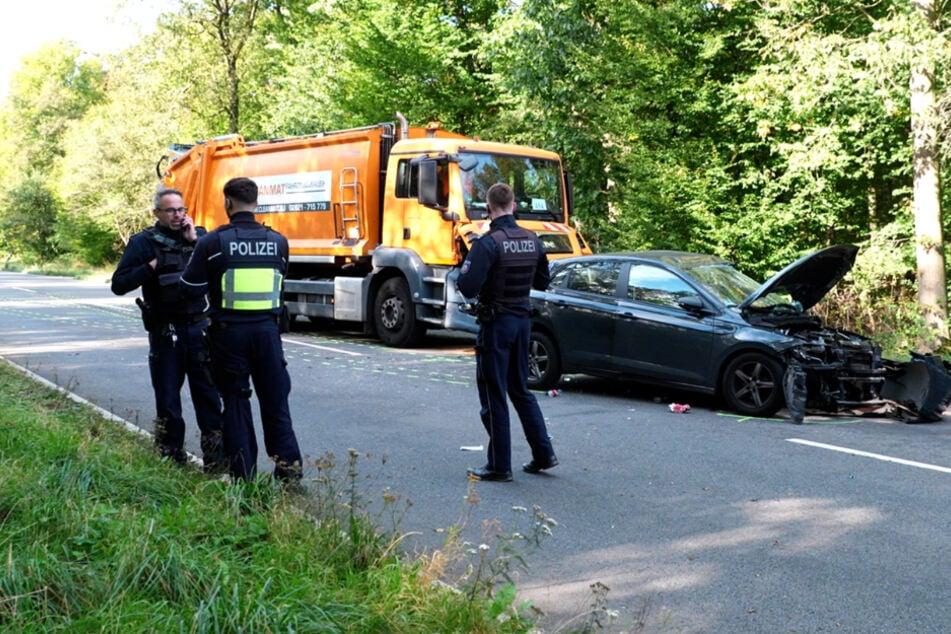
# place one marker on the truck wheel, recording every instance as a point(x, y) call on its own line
point(544, 365)
point(395, 317)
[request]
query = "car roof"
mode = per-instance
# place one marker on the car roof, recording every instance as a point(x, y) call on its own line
point(681, 259)
point(807, 280)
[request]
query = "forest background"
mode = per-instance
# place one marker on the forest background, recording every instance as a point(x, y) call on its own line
point(756, 130)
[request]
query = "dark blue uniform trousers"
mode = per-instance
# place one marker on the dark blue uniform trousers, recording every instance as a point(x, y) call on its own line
point(502, 368)
point(170, 361)
point(252, 352)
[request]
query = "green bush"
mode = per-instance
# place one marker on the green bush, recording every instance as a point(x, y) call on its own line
point(878, 298)
point(27, 226)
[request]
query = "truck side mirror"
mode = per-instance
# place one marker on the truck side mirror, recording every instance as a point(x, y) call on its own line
point(428, 184)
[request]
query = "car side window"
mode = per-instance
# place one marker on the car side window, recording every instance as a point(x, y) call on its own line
point(599, 278)
point(654, 285)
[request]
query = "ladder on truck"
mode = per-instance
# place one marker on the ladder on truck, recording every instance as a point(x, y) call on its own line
point(349, 196)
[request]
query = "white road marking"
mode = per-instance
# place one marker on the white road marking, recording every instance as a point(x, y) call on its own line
point(327, 348)
point(866, 454)
point(25, 290)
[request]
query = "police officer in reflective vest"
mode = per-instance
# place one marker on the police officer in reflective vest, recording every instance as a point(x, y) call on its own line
point(242, 265)
point(154, 260)
point(501, 269)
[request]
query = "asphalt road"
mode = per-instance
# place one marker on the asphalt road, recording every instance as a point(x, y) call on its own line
point(697, 522)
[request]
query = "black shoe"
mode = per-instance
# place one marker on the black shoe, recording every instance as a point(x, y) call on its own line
point(214, 461)
point(176, 455)
point(484, 473)
point(535, 467)
point(214, 465)
point(293, 487)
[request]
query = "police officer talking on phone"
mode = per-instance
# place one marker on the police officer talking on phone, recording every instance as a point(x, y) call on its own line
point(154, 260)
point(241, 265)
point(502, 267)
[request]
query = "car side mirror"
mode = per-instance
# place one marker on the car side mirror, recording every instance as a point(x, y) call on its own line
point(693, 305)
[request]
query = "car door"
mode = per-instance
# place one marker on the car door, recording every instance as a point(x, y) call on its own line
point(657, 339)
point(582, 303)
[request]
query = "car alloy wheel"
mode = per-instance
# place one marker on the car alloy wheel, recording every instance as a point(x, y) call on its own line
point(752, 384)
point(544, 364)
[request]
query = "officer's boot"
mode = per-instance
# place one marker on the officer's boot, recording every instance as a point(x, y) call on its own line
point(176, 454)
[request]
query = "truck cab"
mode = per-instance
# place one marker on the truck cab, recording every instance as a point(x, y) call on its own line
point(379, 219)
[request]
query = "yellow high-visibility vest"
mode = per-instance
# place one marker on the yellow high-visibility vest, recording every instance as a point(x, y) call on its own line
point(257, 289)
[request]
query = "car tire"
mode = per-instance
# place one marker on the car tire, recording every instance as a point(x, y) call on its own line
point(752, 384)
point(395, 316)
point(544, 363)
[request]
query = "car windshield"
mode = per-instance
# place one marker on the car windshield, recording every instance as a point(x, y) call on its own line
point(732, 286)
point(536, 182)
point(724, 281)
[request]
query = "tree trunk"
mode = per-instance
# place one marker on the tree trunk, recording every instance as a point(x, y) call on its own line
point(929, 240)
point(232, 23)
point(234, 96)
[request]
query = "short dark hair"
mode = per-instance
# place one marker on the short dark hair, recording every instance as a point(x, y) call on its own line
point(163, 191)
point(499, 196)
point(241, 189)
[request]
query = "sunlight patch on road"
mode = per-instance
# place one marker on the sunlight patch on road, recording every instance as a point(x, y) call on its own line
point(772, 529)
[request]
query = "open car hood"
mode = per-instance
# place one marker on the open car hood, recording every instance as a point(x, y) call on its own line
point(808, 279)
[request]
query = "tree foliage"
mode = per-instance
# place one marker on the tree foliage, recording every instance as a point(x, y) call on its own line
point(757, 131)
point(54, 87)
point(227, 29)
point(27, 226)
point(49, 95)
point(418, 58)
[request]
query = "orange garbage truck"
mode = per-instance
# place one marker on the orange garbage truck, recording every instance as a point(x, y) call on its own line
point(379, 219)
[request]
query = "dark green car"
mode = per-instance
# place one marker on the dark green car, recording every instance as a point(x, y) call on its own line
point(695, 322)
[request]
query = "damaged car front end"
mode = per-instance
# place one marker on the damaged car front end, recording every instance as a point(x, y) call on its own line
point(834, 370)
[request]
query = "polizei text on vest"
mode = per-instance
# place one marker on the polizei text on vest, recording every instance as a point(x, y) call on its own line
point(519, 246)
point(252, 248)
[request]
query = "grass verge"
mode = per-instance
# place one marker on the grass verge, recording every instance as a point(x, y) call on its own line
point(98, 535)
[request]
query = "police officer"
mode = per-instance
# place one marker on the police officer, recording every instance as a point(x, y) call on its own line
point(501, 269)
point(154, 260)
point(241, 266)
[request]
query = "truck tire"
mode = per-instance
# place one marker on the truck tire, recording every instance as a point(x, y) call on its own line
point(394, 316)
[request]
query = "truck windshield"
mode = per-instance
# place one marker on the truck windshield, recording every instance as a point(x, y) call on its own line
point(536, 182)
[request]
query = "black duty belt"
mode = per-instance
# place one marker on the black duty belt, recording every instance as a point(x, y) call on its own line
point(184, 320)
point(219, 323)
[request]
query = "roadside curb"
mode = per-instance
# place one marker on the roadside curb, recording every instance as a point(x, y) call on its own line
point(79, 399)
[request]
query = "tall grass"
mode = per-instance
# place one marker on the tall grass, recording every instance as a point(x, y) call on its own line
point(98, 535)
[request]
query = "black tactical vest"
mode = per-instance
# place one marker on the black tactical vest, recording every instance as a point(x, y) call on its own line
point(172, 256)
point(510, 279)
